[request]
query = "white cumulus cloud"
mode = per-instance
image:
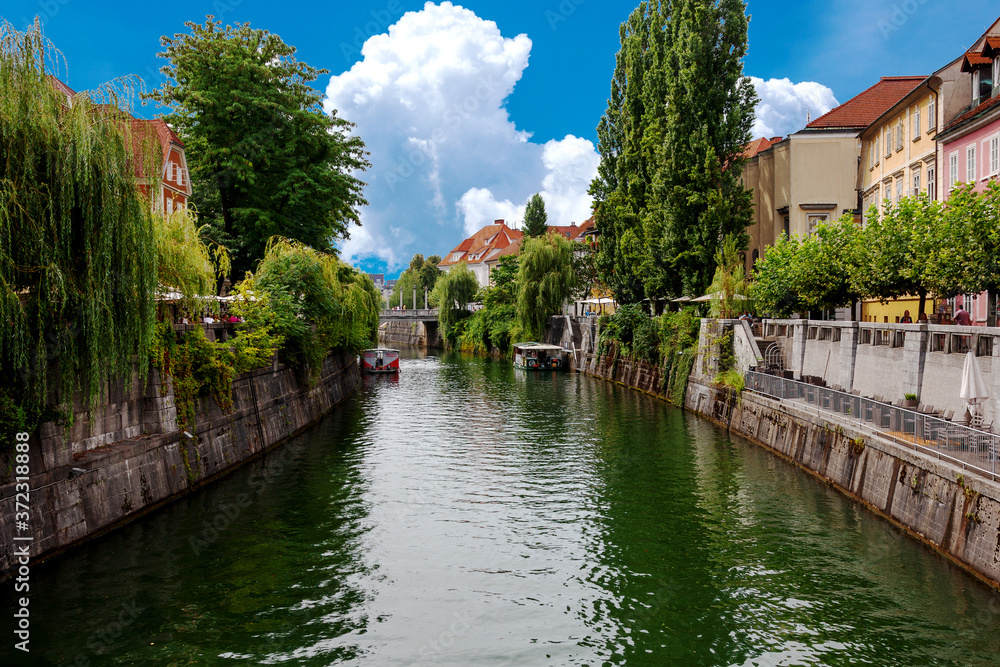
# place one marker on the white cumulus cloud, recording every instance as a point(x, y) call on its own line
point(428, 100)
point(782, 107)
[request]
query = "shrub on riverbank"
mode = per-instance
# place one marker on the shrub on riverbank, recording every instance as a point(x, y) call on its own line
point(670, 341)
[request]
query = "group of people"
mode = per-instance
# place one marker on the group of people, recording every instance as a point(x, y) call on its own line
point(961, 318)
point(208, 319)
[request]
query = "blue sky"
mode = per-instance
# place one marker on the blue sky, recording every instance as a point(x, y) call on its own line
point(433, 181)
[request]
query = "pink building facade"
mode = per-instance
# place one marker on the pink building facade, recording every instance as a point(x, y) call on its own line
point(969, 148)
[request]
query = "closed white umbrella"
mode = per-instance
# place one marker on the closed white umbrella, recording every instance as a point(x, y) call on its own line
point(974, 390)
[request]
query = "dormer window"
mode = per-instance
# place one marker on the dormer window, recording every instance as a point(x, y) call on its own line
point(982, 84)
point(996, 72)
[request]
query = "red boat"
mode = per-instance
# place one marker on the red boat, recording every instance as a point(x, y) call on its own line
point(380, 360)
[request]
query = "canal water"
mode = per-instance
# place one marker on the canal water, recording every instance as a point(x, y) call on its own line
point(470, 514)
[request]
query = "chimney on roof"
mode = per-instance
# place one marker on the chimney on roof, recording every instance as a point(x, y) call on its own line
point(498, 222)
point(572, 224)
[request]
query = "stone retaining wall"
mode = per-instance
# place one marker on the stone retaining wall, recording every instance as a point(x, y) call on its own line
point(131, 458)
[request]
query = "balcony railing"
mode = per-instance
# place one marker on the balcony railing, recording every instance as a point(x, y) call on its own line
point(973, 449)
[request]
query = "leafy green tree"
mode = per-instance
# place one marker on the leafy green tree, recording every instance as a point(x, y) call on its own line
point(545, 282)
point(729, 285)
point(319, 302)
point(184, 262)
point(965, 255)
point(492, 326)
point(585, 269)
point(826, 262)
point(815, 272)
point(421, 273)
point(265, 159)
point(535, 217)
point(452, 294)
point(774, 289)
point(895, 250)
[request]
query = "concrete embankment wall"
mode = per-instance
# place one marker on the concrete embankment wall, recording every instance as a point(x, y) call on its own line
point(131, 457)
point(891, 360)
point(415, 333)
point(952, 511)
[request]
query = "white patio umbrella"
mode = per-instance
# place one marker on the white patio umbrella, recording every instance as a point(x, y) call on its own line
point(974, 390)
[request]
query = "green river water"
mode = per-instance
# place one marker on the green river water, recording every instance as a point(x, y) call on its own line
point(470, 514)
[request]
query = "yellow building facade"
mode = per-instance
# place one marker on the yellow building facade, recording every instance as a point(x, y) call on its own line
point(899, 159)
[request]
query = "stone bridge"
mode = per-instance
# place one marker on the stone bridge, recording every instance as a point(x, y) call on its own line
point(417, 328)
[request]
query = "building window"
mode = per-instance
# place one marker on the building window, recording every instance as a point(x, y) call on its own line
point(994, 154)
point(996, 72)
point(899, 189)
point(817, 219)
point(931, 183)
point(916, 182)
point(970, 163)
point(931, 114)
point(975, 88)
point(952, 170)
point(876, 150)
point(900, 131)
point(916, 123)
point(871, 157)
point(888, 143)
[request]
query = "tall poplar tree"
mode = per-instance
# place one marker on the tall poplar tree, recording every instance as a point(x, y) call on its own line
point(709, 114)
point(668, 188)
point(536, 220)
point(627, 139)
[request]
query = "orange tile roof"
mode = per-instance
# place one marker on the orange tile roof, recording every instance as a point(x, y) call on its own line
point(153, 130)
point(61, 87)
point(974, 60)
point(586, 226)
point(862, 109)
point(971, 113)
point(991, 46)
point(759, 145)
point(568, 231)
point(478, 247)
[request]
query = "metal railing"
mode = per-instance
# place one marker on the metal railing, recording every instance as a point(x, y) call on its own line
point(973, 449)
point(419, 314)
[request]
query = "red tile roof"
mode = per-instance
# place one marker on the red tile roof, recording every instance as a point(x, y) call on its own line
point(758, 145)
point(481, 246)
point(861, 110)
point(974, 60)
point(586, 226)
point(61, 87)
point(961, 119)
point(152, 130)
point(991, 46)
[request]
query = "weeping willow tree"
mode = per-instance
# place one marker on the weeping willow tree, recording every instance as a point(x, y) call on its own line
point(453, 292)
point(185, 263)
point(77, 253)
point(545, 281)
point(319, 302)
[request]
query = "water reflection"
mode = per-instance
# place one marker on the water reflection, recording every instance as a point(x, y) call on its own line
point(467, 513)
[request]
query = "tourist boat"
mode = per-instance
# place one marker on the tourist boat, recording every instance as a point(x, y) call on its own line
point(540, 357)
point(380, 360)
